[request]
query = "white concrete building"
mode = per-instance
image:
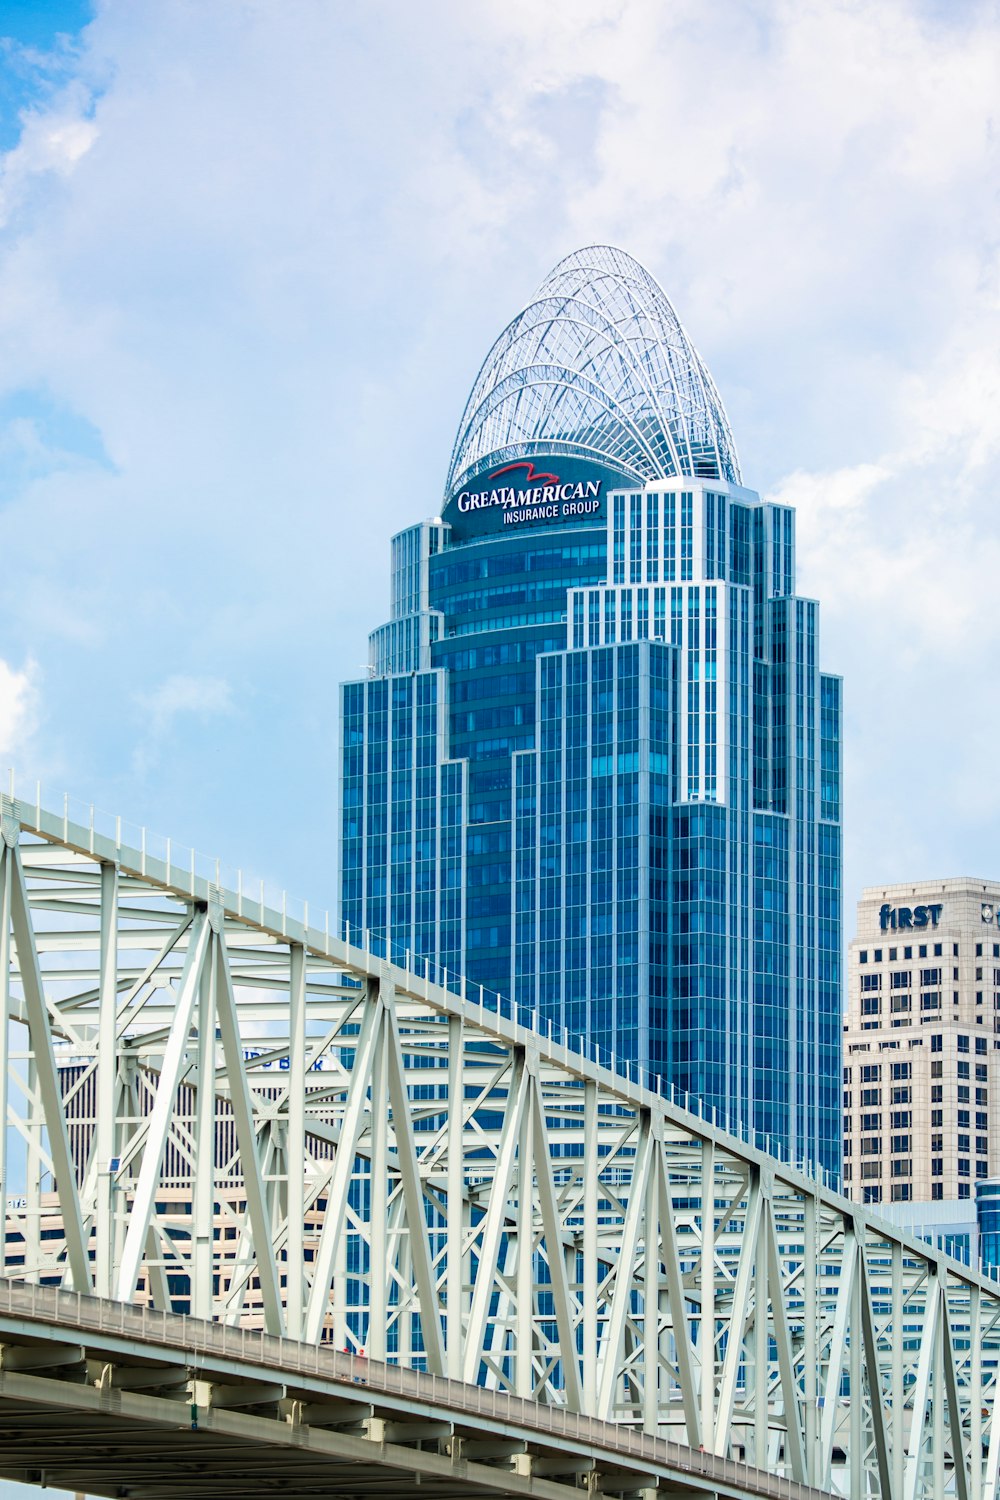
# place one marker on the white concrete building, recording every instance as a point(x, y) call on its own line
point(922, 1046)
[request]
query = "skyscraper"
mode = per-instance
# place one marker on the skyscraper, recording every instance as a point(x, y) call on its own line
point(596, 767)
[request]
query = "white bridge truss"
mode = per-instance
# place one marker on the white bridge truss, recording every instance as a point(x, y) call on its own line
point(216, 1109)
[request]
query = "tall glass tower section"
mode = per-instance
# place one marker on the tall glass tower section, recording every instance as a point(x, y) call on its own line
point(595, 766)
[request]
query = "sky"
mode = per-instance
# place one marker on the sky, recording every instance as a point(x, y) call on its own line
point(252, 255)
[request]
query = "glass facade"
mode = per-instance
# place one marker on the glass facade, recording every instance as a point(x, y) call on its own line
point(595, 769)
point(988, 1219)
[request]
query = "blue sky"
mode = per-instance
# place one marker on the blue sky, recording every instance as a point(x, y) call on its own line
point(251, 257)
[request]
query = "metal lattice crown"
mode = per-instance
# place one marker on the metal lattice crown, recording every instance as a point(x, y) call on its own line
point(597, 366)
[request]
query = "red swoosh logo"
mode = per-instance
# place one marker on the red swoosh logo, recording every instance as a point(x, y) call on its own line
point(530, 477)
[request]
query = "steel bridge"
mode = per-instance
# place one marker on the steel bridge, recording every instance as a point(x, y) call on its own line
point(280, 1204)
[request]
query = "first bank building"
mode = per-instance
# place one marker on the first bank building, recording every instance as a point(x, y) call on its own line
point(595, 766)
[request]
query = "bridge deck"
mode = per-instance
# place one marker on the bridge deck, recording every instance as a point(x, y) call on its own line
point(124, 1401)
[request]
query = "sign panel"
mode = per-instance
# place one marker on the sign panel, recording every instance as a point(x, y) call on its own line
point(531, 493)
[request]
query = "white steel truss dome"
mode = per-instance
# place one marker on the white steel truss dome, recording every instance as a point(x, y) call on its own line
point(597, 366)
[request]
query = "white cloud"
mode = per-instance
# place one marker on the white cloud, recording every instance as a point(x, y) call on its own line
point(259, 251)
point(180, 694)
point(18, 707)
point(175, 698)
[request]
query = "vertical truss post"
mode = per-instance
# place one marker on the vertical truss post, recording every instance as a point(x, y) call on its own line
point(551, 1228)
point(47, 1072)
point(810, 1343)
point(524, 1218)
point(896, 1417)
point(107, 1082)
point(295, 1143)
point(455, 1226)
point(665, 1243)
point(794, 1445)
point(591, 1169)
point(163, 1108)
point(951, 1391)
point(869, 1336)
point(258, 1207)
point(922, 1386)
point(495, 1220)
point(203, 1225)
point(417, 1242)
point(614, 1334)
point(332, 1236)
point(378, 1162)
point(5, 884)
point(706, 1279)
point(739, 1314)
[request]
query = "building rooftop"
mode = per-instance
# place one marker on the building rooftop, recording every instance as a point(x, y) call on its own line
point(597, 366)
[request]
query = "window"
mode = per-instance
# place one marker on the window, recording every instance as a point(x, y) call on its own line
point(902, 1070)
point(870, 1169)
point(870, 1005)
point(963, 1143)
point(937, 1093)
point(901, 1168)
point(902, 1094)
point(937, 1118)
point(963, 1166)
point(937, 950)
point(937, 1166)
point(937, 1043)
point(901, 1192)
point(963, 1068)
point(871, 1072)
point(863, 956)
point(899, 979)
point(982, 1145)
point(900, 1145)
point(930, 977)
point(872, 1195)
point(870, 982)
point(937, 1142)
point(901, 1119)
point(871, 1145)
point(870, 1097)
point(937, 1068)
point(878, 955)
point(963, 1043)
point(937, 1190)
point(870, 1122)
point(892, 955)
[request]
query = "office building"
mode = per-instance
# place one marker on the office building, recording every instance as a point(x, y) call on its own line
point(596, 766)
point(922, 1048)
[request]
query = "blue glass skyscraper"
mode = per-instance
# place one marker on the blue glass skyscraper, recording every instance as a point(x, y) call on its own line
point(596, 766)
